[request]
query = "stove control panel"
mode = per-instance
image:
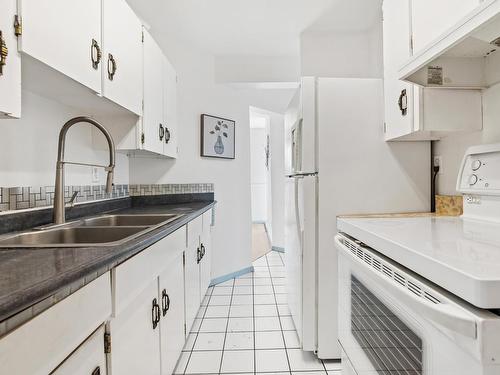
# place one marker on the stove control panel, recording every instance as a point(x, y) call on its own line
point(479, 181)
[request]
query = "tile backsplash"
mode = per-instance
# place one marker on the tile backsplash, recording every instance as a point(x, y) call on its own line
point(25, 197)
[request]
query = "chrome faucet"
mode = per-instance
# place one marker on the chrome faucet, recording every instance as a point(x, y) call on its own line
point(59, 204)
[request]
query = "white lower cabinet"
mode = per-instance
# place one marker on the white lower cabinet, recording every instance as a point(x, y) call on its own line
point(41, 345)
point(147, 331)
point(135, 335)
point(88, 359)
point(206, 254)
point(192, 283)
point(172, 315)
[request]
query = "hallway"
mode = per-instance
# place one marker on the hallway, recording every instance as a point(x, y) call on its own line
point(244, 327)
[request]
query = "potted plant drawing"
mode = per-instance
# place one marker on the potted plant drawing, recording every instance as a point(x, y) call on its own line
point(220, 129)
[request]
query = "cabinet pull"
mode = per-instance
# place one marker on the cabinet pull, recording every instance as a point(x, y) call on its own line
point(155, 313)
point(4, 52)
point(198, 255)
point(95, 54)
point(165, 302)
point(202, 251)
point(97, 371)
point(111, 66)
point(403, 102)
point(161, 132)
point(167, 135)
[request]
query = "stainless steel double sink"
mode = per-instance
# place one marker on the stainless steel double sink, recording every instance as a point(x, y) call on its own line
point(105, 230)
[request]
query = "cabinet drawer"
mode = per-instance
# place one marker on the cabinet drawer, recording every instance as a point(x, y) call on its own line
point(41, 344)
point(88, 359)
point(131, 277)
point(194, 229)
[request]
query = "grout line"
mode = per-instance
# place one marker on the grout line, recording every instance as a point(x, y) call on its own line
point(227, 325)
point(198, 332)
point(279, 320)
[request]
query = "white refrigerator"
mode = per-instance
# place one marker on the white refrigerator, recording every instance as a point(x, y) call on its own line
point(337, 163)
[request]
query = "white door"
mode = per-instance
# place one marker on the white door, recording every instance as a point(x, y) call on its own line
point(10, 77)
point(64, 35)
point(398, 95)
point(192, 283)
point(430, 18)
point(87, 359)
point(170, 109)
point(152, 121)
point(206, 256)
point(172, 315)
point(135, 335)
point(122, 57)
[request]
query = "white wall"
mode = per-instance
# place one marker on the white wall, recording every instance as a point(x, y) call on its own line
point(452, 148)
point(342, 54)
point(258, 171)
point(28, 146)
point(198, 93)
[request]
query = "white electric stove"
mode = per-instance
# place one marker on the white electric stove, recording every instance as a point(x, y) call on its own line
point(421, 295)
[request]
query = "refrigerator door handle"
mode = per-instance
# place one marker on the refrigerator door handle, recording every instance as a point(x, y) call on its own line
point(302, 174)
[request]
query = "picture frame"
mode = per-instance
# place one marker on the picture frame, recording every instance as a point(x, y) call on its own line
point(218, 136)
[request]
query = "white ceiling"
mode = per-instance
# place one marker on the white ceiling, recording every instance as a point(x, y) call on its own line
point(253, 27)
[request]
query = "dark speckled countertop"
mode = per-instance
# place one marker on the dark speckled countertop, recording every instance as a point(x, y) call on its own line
point(29, 276)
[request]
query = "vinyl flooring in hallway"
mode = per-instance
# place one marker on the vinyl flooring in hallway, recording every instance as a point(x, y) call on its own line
point(244, 327)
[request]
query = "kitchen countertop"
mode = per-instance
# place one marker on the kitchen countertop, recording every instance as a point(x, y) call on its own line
point(30, 276)
point(462, 256)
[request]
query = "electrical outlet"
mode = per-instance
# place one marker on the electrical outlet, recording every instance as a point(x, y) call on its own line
point(438, 162)
point(95, 174)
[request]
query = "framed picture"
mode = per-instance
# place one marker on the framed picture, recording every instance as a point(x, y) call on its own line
point(217, 137)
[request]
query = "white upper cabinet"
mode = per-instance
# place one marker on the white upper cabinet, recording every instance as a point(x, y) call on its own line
point(65, 35)
point(122, 55)
point(411, 112)
point(10, 65)
point(159, 122)
point(170, 109)
point(459, 50)
point(398, 95)
point(431, 18)
point(153, 130)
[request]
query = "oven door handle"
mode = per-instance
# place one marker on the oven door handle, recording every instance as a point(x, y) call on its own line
point(447, 315)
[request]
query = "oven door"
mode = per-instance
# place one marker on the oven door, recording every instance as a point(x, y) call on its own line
point(392, 322)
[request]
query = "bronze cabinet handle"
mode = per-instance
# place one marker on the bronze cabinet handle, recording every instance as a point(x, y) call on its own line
point(95, 54)
point(97, 371)
point(198, 255)
point(167, 135)
point(403, 102)
point(161, 132)
point(111, 67)
point(165, 302)
point(155, 313)
point(4, 52)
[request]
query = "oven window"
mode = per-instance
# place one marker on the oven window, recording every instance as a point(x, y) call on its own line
point(391, 346)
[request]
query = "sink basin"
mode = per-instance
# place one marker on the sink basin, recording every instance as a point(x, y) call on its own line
point(128, 220)
point(73, 237)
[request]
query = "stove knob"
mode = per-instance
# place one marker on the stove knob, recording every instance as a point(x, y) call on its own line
point(476, 164)
point(472, 179)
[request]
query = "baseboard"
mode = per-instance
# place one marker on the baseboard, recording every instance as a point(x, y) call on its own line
point(278, 249)
point(232, 275)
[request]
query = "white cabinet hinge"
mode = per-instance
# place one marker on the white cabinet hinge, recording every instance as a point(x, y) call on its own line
point(411, 44)
point(185, 329)
point(107, 343)
point(142, 36)
point(385, 127)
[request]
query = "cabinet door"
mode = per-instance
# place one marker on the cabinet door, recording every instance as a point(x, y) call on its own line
point(152, 121)
point(170, 109)
point(206, 251)
point(122, 58)
point(60, 34)
point(135, 337)
point(172, 315)
point(192, 283)
point(431, 18)
point(397, 49)
point(10, 77)
point(87, 359)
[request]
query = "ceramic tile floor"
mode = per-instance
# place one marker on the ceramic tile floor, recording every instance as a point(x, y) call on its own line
point(244, 327)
